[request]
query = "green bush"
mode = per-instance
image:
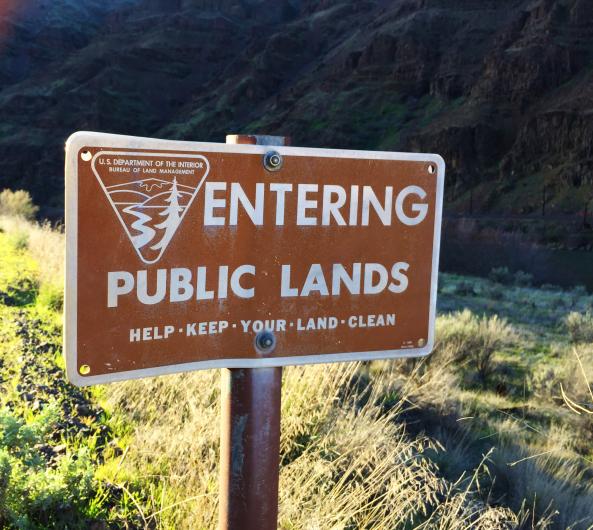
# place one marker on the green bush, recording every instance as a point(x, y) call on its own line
point(17, 204)
point(550, 287)
point(20, 292)
point(579, 326)
point(494, 292)
point(51, 296)
point(522, 279)
point(39, 488)
point(18, 274)
point(464, 288)
point(470, 340)
point(505, 276)
point(579, 291)
point(501, 275)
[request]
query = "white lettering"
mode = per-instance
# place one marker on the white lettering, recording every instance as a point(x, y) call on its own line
point(201, 292)
point(118, 283)
point(223, 280)
point(370, 199)
point(160, 291)
point(332, 208)
point(304, 204)
point(255, 212)
point(236, 281)
point(353, 220)
point(421, 209)
point(280, 190)
point(400, 283)
point(210, 203)
point(285, 289)
point(351, 282)
point(315, 281)
point(370, 269)
point(181, 287)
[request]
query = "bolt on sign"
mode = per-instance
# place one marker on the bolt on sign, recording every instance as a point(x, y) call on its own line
point(189, 255)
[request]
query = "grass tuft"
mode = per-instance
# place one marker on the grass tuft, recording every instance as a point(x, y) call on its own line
point(467, 339)
point(580, 326)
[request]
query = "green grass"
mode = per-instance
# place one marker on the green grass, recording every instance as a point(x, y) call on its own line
point(476, 436)
point(52, 435)
point(18, 280)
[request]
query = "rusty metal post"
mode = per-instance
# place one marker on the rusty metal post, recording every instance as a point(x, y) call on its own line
point(250, 432)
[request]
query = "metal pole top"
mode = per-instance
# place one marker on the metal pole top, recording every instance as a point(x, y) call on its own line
point(257, 139)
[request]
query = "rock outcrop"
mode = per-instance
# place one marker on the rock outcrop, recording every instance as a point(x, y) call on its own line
point(502, 89)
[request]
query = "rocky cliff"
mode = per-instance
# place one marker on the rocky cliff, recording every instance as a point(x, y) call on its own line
point(503, 89)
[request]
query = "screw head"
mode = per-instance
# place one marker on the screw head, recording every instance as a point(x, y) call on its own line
point(265, 342)
point(273, 161)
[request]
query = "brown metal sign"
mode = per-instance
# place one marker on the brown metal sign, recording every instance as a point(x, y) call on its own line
point(186, 255)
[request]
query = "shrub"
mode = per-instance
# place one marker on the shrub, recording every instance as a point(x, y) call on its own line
point(35, 493)
point(467, 338)
point(35, 251)
point(579, 326)
point(494, 292)
point(500, 275)
point(46, 246)
point(18, 274)
point(51, 297)
point(522, 279)
point(504, 276)
point(17, 204)
point(576, 375)
point(464, 288)
point(579, 290)
point(559, 302)
point(550, 287)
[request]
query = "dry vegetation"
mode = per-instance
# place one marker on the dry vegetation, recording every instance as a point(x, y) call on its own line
point(478, 436)
point(17, 204)
point(347, 459)
point(45, 245)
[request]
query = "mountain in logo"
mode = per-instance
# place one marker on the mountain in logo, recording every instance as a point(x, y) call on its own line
point(151, 209)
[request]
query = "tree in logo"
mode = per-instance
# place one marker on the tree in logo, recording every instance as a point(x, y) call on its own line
point(172, 215)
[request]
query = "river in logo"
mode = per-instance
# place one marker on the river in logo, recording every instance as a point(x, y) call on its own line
point(150, 209)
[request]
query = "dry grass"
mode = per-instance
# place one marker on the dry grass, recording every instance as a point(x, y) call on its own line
point(558, 489)
point(461, 510)
point(466, 338)
point(351, 465)
point(17, 204)
point(348, 462)
point(580, 326)
point(575, 386)
point(46, 246)
point(172, 449)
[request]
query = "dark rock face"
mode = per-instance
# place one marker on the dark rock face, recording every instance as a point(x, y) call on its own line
point(502, 89)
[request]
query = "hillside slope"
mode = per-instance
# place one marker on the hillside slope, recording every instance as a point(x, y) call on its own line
point(491, 432)
point(502, 89)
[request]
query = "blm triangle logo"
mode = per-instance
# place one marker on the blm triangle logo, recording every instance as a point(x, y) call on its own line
point(150, 193)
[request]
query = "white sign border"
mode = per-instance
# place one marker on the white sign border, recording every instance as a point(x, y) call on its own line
point(94, 139)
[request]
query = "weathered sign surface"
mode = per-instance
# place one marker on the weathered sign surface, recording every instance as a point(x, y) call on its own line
point(180, 253)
